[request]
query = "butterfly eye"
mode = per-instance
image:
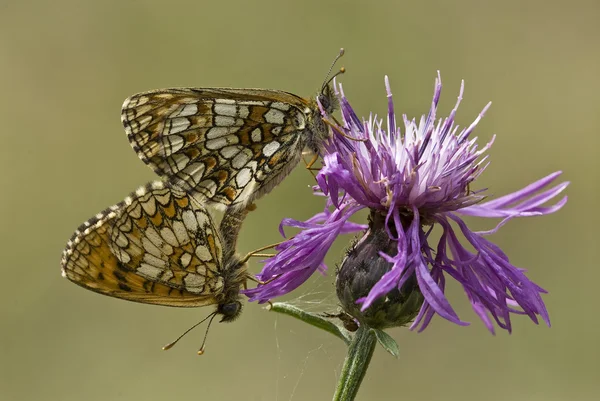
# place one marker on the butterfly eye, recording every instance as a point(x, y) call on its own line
point(325, 101)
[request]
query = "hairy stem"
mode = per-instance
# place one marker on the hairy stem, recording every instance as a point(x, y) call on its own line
point(356, 364)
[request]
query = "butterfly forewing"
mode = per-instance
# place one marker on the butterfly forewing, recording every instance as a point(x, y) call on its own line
point(227, 146)
point(158, 246)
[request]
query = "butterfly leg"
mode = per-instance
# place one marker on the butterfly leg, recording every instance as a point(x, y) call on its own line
point(312, 161)
point(262, 255)
point(256, 252)
point(261, 282)
point(339, 131)
point(309, 165)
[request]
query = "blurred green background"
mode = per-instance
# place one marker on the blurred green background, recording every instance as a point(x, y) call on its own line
point(66, 67)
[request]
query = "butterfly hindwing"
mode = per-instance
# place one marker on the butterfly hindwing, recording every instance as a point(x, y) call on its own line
point(158, 246)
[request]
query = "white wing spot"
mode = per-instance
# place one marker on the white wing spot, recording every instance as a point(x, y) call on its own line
point(203, 254)
point(270, 148)
point(185, 260)
point(256, 135)
point(243, 177)
point(226, 110)
point(243, 111)
point(189, 220)
point(280, 106)
point(216, 132)
point(224, 121)
point(229, 151)
point(274, 116)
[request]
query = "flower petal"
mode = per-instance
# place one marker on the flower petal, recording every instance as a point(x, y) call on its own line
point(299, 257)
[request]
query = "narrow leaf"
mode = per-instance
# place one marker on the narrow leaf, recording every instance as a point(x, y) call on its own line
point(387, 342)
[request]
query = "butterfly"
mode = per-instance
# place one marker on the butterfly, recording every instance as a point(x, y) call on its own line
point(160, 246)
point(226, 146)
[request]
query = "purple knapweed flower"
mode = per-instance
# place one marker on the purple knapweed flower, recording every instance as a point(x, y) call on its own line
point(411, 179)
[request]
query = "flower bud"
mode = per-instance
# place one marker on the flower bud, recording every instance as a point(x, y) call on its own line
point(362, 269)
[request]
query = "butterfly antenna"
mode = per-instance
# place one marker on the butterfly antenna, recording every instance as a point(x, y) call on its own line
point(201, 350)
point(341, 71)
point(171, 344)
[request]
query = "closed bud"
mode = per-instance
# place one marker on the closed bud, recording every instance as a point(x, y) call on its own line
point(363, 268)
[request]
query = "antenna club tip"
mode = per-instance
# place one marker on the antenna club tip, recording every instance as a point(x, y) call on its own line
point(168, 346)
point(342, 51)
point(201, 351)
point(342, 70)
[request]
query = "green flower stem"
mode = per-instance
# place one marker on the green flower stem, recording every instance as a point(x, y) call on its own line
point(312, 319)
point(356, 364)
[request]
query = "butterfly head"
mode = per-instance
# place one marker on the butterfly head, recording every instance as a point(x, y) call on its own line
point(229, 310)
point(327, 98)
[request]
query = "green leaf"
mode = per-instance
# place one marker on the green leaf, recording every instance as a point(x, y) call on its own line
point(312, 319)
point(387, 342)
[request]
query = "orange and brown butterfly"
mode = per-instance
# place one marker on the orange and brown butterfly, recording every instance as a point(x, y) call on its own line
point(226, 146)
point(160, 246)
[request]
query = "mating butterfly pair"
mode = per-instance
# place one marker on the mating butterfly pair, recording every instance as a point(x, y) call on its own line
point(220, 148)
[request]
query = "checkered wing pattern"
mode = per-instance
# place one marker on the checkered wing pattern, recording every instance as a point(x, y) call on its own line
point(158, 246)
point(225, 146)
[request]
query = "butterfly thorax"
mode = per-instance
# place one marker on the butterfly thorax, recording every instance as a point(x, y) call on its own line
point(317, 130)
